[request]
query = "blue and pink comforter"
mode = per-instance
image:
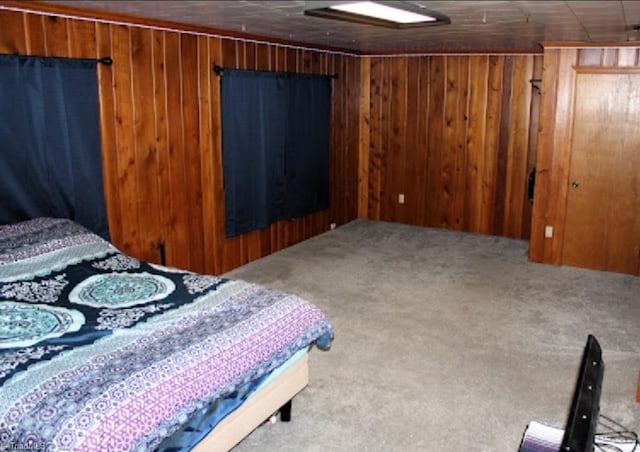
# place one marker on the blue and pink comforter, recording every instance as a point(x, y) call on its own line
point(101, 351)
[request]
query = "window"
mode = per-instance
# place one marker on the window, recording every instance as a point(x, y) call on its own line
point(50, 160)
point(275, 147)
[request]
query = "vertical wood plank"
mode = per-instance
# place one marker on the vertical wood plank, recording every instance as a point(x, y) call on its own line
point(516, 174)
point(57, 43)
point(339, 143)
point(12, 36)
point(108, 135)
point(250, 55)
point(375, 143)
point(350, 203)
point(125, 143)
point(144, 150)
point(492, 144)
point(544, 159)
point(34, 34)
point(161, 145)
point(386, 165)
point(263, 57)
point(459, 146)
point(437, 99)
point(412, 151)
point(533, 142)
point(364, 120)
point(397, 154)
point(424, 128)
point(192, 211)
point(562, 153)
point(177, 233)
point(279, 58)
point(82, 39)
point(305, 61)
point(448, 157)
point(503, 146)
point(479, 67)
point(217, 229)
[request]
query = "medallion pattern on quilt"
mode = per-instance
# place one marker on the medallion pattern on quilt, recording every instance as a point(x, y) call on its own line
point(44, 291)
point(199, 283)
point(118, 262)
point(109, 319)
point(22, 325)
point(9, 361)
point(117, 290)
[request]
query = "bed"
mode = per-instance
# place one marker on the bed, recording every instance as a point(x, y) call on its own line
point(101, 351)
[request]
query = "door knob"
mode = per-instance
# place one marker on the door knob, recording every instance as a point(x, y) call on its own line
point(575, 184)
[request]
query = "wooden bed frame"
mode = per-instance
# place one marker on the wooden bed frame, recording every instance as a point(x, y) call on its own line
point(257, 408)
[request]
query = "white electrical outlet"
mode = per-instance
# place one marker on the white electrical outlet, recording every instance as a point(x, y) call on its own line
point(401, 198)
point(548, 231)
point(332, 226)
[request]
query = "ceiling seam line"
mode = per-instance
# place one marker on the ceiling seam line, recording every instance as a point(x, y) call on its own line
point(579, 21)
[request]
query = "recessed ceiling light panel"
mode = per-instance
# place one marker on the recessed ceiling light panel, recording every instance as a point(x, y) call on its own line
point(388, 14)
point(384, 12)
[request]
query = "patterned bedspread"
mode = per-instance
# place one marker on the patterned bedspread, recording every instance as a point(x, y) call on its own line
point(100, 351)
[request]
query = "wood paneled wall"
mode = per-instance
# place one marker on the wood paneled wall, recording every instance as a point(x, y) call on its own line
point(455, 135)
point(161, 143)
point(554, 154)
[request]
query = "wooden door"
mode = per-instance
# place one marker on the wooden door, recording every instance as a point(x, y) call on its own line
point(602, 229)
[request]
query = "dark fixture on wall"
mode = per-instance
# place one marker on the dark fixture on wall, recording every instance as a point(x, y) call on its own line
point(534, 83)
point(392, 14)
point(531, 185)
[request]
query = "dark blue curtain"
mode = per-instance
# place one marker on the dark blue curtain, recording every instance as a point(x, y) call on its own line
point(275, 145)
point(50, 159)
point(253, 134)
point(307, 145)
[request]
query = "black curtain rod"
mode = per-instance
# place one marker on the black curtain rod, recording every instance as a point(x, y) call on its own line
point(107, 61)
point(219, 70)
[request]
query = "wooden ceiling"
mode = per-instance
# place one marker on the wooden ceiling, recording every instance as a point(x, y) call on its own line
point(476, 26)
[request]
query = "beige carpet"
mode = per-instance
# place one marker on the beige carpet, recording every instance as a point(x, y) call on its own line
point(445, 341)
